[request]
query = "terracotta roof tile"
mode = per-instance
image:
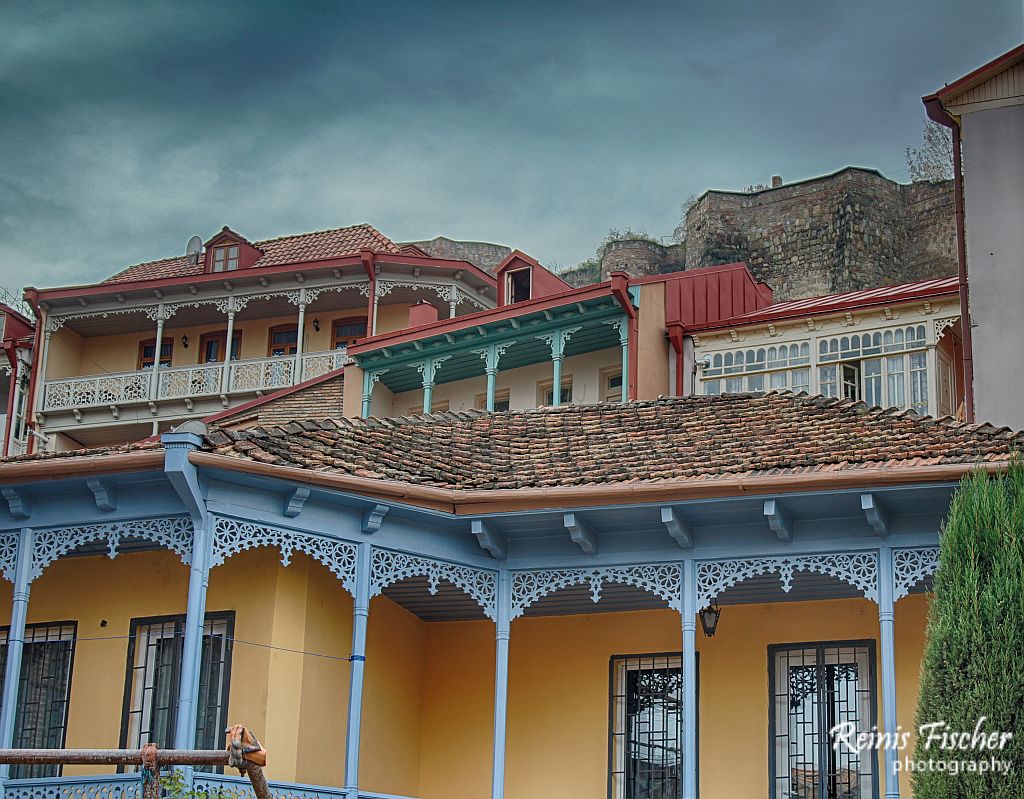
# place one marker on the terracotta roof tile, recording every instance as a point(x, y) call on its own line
point(686, 438)
point(682, 438)
point(299, 248)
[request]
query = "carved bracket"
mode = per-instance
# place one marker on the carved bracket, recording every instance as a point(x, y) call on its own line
point(389, 567)
point(911, 566)
point(175, 533)
point(661, 579)
point(231, 536)
point(8, 554)
point(859, 569)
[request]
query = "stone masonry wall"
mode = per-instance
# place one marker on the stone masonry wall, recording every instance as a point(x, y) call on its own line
point(850, 230)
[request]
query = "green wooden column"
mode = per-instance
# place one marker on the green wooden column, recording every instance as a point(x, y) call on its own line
point(492, 355)
point(621, 326)
point(557, 340)
point(428, 369)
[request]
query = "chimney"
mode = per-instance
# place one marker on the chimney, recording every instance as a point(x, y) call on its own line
point(422, 313)
point(776, 181)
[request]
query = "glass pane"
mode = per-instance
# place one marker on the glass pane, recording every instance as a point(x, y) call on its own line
point(777, 380)
point(828, 385)
point(800, 380)
point(712, 387)
point(895, 381)
point(872, 381)
point(755, 383)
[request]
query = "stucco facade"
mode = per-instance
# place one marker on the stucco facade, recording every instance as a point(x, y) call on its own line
point(993, 154)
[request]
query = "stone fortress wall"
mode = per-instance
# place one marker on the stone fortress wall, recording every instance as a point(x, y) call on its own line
point(849, 230)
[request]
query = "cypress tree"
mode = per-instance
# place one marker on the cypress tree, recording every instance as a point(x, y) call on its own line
point(974, 655)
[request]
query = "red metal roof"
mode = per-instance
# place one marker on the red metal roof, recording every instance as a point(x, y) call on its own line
point(300, 248)
point(811, 306)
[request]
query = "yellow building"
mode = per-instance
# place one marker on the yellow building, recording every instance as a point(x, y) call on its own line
point(647, 599)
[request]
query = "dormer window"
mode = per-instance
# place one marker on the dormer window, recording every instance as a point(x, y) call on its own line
point(517, 285)
point(225, 259)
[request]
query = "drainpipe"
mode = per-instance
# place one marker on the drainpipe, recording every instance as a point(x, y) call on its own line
point(37, 353)
point(368, 259)
point(12, 392)
point(935, 111)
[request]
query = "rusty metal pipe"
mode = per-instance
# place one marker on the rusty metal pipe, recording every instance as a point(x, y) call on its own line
point(116, 757)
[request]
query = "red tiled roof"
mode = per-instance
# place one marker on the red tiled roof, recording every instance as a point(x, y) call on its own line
point(300, 248)
point(886, 295)
point(686, 438)
point(699, 438)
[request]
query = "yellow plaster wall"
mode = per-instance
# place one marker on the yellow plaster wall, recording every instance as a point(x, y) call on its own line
point(395, 316)
point(653, 379)
point(64, 354)
point(96, 589)
point(393, 696)
point(559, 685)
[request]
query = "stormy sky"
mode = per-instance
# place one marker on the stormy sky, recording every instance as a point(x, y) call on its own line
point(127, 128)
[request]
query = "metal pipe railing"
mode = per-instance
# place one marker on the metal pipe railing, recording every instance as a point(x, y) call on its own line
point(243, 752)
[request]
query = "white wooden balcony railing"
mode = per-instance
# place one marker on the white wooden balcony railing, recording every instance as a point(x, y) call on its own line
point(181, 382)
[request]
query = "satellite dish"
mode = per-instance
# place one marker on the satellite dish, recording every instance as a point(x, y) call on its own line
point(194, 249)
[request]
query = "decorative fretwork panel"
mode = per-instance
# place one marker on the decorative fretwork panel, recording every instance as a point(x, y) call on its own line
point(661, 579)
point(231, 536)
point(261, 374)
point(320, 363)
point(121, 786)
point(231, 787)
point(8, 554)
point(911, 566)
point(190, 381)
point(174, 533)
point(859, 569)
point(96, 390)
point(392, 567)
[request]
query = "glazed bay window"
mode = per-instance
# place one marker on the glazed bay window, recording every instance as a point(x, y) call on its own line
point(43, 692)
point(814, 688)
point(646, 727)
point(154, 673)
point(775, 368)
point(884, 380)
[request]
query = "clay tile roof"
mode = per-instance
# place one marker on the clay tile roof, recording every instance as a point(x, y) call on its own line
point(300, 248)
point(695, 438)
point(685, 438)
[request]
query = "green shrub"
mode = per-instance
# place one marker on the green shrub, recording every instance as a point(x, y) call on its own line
point(973, 664)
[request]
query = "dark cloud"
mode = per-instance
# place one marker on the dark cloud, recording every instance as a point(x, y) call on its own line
point(127, 127)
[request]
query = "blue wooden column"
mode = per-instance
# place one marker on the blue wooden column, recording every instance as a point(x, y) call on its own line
point(689, 614)
point(360, 619)
point(192, 647)
point(502, 634)
point(16, 642)
point(557, 340)
point(887, 638)
point(184, 478)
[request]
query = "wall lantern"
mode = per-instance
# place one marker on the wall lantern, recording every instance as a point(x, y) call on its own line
point(316, 323)
point(184, 342)
point(709, 618)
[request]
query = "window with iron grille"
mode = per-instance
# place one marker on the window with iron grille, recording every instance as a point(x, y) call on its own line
point(646, 727)
point(814, 688)
point(155, 652)
point(43, 692)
